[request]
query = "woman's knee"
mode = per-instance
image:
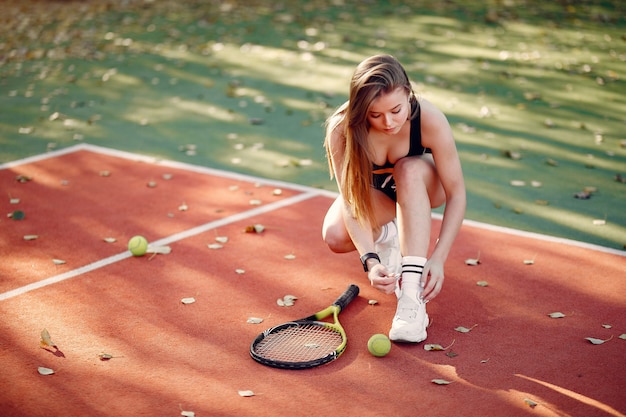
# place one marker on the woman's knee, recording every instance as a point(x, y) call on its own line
point(412, 169)
point(337, 238)
point(410, 173)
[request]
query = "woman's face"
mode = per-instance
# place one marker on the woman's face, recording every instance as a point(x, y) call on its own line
point(389, 112)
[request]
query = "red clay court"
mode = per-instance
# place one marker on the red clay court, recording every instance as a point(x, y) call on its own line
point(95, 298)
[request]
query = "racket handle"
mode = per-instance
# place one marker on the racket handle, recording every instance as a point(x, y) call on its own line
point(344, 299)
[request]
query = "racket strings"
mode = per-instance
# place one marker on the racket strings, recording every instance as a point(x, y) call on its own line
point(299, 343)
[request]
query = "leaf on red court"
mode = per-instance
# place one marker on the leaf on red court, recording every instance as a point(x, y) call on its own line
point(105, 356)
point(30, 237)
point(215, 246)
point(45, 371)
point(482, 283)
point(607, 326)
point(183, 207)
point(58, 261)
point(23, 178)
point(556, 315)
point(110, 239)
point(437, 347)
point(46, 340)
point(221, 239)
point(240, 271)
point(14, 201)
point(255, 228)
point(188, 300)
point(187, 413)
point(254, 320)
point(595, 341)
point(159, 250)
point(290, 256)
point(622, 336)
point(440, 382)
point(287, 301)
point(530, 403)
point(17, 215)
point(462, 329)
point(246, 393)
point(372, 302)
point(473, 262)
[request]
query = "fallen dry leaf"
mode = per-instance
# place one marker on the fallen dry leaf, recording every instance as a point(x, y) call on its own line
point(45, 371)
point(46, 340)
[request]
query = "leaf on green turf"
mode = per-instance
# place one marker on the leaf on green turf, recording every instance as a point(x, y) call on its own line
point(45, 371)
point(598, 341)
point(556, 315)
point(462, 329)
point(46, 340)
point(513, 155)
point(440, 382)
point(518, 183)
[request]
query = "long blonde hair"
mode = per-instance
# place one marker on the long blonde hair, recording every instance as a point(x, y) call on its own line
point(379, 74)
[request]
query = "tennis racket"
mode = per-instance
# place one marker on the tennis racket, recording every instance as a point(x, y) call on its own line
point(305, 343)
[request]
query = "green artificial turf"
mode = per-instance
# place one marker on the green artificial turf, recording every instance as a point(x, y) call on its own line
point(534, 91)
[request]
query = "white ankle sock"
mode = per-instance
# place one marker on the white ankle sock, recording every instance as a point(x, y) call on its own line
point(412, 267)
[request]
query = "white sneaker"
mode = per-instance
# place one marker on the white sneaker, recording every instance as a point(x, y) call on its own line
point(389, 250)
point(411, 320)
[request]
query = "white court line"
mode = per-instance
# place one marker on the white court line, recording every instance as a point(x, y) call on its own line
point(307, 192)
point(164, 241)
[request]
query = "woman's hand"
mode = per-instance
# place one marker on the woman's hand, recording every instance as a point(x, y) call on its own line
point(382, 279)
point(432, 279)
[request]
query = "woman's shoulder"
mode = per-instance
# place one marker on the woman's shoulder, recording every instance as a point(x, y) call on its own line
point(431, 115)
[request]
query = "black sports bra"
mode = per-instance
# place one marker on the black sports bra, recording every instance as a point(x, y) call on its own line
point(415, 147)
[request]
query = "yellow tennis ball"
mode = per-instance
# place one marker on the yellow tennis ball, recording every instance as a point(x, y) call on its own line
point(379, 345)
point(138, 245)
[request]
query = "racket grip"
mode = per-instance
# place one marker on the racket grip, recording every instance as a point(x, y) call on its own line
point(346, 298)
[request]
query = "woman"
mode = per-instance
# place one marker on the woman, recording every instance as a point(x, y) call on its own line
point(394, 159)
